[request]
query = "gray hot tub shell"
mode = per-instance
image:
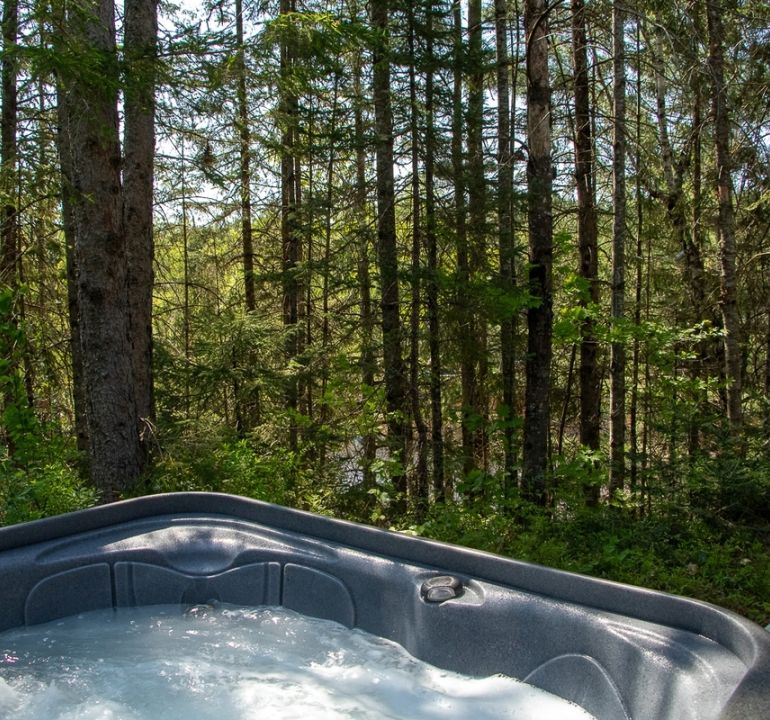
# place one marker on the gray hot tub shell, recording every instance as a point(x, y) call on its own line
point(621, 652)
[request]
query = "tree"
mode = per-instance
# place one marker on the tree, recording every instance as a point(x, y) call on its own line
point(767, 362)
point(68, 199)
point(368, 363)
point(590, 391)
point(387, 254)
point(726, 218)
point(674, 196)
point(505, 238)
point(244, 153)
point(8, 147)
point(540, 222)
point(476, 332)
point(291, 240)
point(617, 349)
point(90, 107)
point(8, 214)
point(421, 471)
point(141, 30)
point(268, 128)
point(637, 453)
point(432, 289)
point(465, 318)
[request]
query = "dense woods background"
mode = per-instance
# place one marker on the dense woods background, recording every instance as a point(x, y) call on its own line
point(493, 272)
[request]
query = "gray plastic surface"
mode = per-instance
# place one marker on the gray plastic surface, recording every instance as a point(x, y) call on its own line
point(621, 652)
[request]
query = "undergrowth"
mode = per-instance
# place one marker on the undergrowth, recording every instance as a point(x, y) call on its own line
point(720, 557)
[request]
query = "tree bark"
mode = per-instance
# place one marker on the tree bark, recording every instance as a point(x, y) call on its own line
point(695, 271)
point(116, 454)
point(290, 234)
point(8, 148)
point(540, 227)
point(141, 30)
point(68, 197)
point(465, 317)
point(477, 236)
point(368, 362)
point(726, 219)
point(186, 299)
point(505, 240)
point(246, 402)
point(431, 290)
point(420, 501)
point(767, 363)
point(326, 264)
point(308, 230)
point(674, 198)
point(639, 264)
point(590, 390)
point(79, 397)
point(244, 156)
point(387, 253)
point(617, 349)
point(8, 212)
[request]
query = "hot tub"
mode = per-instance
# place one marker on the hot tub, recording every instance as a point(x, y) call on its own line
point(621, 652)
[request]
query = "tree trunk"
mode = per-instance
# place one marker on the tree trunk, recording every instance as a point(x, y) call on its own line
point(431, 290)
point(726, 220)
point(100, 253)
point(8, 151)
point(64, 149)
point(307, 223)
point(540, 223)
point(368, 362)
point(465, 334)
point(244, 151)
point(303, 223)
point(186, 302)
point(387, 253)
point(639, 264)
point(420, 501)
point(46, 295)
point(141, 30)
point(290, 235)
point(326, 265)
point(8, 214)
point(695, 270)
point(590, 390)
point(79, 398)
point(767, 362)
point(505, 240)
point(617, 349)
point(477, 235)
point(674, 174)
point(246, 403)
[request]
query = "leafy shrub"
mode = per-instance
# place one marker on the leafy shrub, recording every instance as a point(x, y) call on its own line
point(48, 483)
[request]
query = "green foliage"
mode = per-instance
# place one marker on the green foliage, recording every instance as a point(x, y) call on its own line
point(40, 475)
point(18, 421)
point(697, 519)
point(732, 487)
point(48, 482)
point(671, 551)
point(218, 462)
point(573, 475)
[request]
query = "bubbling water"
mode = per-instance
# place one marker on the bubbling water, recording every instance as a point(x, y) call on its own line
point(156, 663)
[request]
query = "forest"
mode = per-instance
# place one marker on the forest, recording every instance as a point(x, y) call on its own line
point(496, 273)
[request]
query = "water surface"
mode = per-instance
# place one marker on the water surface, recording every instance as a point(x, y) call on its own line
point(156, 663)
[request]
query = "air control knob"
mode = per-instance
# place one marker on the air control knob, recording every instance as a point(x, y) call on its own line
point(441, 588)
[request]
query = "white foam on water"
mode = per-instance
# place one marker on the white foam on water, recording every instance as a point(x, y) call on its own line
point(154, 663)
